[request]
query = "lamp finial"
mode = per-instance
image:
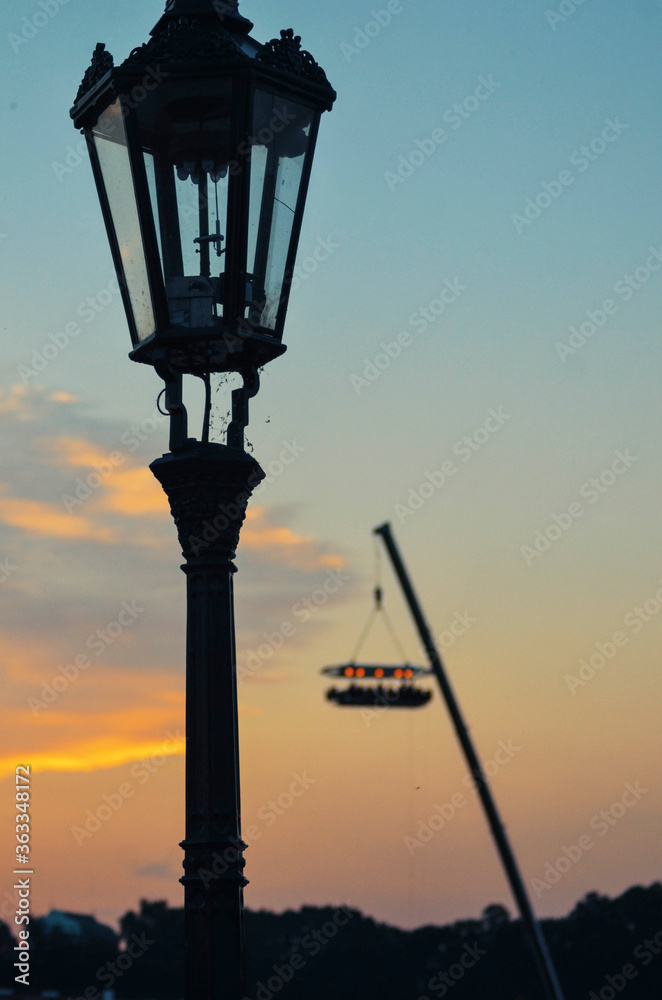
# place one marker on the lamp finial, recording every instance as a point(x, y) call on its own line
point(225, 10)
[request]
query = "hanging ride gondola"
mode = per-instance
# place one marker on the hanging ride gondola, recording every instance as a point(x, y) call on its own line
point(385, 695)
point(402, 695)
point(356, 696)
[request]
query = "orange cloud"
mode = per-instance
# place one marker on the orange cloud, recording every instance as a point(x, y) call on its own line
point(331, 561)
point(39, 518)
point(14, 401)
point(77, 452)
point(71, 739)
point(134, 492)
point(63, 397)
point(104, 754)
point(300, 551)
point(22, 658)
point(260, 534)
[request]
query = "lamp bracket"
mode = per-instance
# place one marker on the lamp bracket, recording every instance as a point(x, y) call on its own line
point(173, 400)
point(240, 398)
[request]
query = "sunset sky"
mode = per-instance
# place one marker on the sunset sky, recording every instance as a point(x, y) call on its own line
point(487, 190)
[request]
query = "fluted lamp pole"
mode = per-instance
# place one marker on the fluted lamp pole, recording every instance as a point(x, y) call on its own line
point(201, 144)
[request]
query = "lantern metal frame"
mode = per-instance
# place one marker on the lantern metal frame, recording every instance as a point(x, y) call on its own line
point(202, 43)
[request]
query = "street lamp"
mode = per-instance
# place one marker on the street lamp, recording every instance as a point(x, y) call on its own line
point(201, 144)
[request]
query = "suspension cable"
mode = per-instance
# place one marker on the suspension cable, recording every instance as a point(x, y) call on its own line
point(364, 634)
point(396, 641)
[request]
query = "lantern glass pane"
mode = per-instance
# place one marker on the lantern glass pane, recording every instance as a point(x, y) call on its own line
point(187, 152)
point(151, 184)
point(110, 142)
point(202, 210)
point(280, 142)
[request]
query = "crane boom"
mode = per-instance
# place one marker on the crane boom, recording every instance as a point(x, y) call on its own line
point(541, 953)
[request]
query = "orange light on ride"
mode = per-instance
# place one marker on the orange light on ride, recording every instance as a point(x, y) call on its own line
point(349, 671)
point(409, 674)
point(398, 674)
point(379, 672)
point(360, 672)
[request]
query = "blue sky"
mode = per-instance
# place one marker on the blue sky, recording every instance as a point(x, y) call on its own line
point(547, 88)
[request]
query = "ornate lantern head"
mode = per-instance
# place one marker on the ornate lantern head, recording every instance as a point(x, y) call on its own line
point(201, 144)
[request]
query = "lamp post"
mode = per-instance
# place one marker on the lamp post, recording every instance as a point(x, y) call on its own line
point(201, 144)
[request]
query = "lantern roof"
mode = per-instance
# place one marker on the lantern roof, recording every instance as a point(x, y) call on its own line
point(203, 36)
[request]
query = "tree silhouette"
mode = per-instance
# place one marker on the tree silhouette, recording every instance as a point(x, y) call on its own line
point(328, 952)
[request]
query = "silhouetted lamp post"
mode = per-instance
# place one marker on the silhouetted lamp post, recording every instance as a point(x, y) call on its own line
point(201, 144)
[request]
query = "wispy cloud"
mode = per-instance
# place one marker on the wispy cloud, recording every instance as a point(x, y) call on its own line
point(38, 518)
point(77, 567)
point(279, 541)
point(106, 718)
